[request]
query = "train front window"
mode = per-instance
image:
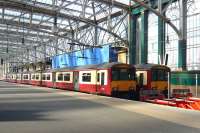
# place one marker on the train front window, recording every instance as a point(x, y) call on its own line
point(159, 75)
point(122, 74)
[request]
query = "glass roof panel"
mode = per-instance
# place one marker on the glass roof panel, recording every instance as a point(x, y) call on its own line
point(123, 1)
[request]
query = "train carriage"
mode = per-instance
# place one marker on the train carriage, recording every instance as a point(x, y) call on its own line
point(109, 79)
point(152, 78)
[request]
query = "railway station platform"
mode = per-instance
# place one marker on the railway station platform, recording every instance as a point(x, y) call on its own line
point(31, 109)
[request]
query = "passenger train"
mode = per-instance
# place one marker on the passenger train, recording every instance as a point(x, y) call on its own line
point(110, 79)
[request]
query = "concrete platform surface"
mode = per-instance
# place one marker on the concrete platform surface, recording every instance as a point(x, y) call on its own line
point(30, 109)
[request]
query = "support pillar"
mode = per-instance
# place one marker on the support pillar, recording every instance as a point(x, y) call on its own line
point(161, 41)
point(73, 38)
point(143, 59)
point(161, 35)
point(182, 44)
point(35, 54)
point(45, 51)
point(56, 45)
point(132, 39)
point(28, 55)
point(182, 54)
point(96, 36)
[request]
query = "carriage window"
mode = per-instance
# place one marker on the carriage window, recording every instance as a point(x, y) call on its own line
point(86, 77)
point(60, 77)
point(102, 78)
point(37, 77)
point(25, 77)
point(67, 77)
point(98, 77)
point(33, 76)
point(43, 77)
point(48, 77)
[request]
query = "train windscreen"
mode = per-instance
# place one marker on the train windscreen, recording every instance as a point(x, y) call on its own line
point(159, 75)
point(123, 74)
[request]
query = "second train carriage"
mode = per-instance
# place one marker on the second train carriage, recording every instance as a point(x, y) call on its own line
point(152, 79)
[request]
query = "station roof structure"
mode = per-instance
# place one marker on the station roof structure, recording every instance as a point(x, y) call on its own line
point(36, 29)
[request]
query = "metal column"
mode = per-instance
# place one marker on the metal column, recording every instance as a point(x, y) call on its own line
point(182, 44)
point(143, 59)
point(45, 51)
point(28, 56)
point(132, 39)
point(161, 35)
point(35, 54)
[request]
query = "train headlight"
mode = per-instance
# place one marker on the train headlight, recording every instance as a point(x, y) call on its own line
point(131, 88)
point(114, 88)
point(154, 88)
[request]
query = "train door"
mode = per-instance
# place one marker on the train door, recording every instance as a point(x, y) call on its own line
point(54, 79)
point(142, 78)
point(102, 81)
point(76, 80)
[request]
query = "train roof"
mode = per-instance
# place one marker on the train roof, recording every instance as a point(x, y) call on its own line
point(150, 66)
point(99, 66)
point(113, 64)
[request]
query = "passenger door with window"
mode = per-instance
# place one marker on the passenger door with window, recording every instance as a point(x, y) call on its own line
point(142, 78)
point(76, 81)
point(102, 77)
